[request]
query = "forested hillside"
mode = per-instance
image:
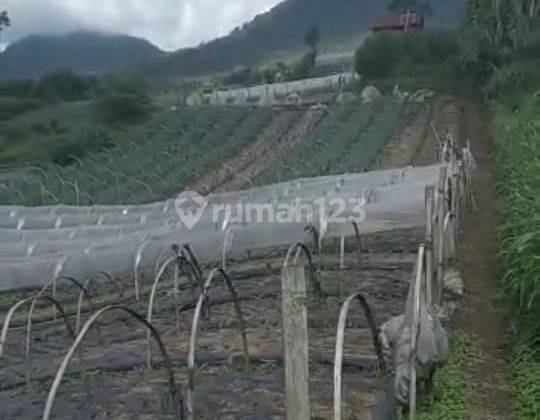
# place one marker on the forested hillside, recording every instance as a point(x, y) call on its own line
point(284, 28)
point(81, 52)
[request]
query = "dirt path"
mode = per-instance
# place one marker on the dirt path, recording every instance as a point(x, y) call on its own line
point(284, 132)
point(270, 152)
point(483, 314)
point(412, 134)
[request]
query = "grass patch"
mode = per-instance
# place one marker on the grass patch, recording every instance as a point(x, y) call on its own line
point(517, 140)
point(518, 157)
point(525, 383)
point(453, 394)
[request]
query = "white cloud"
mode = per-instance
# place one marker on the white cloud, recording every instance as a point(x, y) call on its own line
point(170, 24)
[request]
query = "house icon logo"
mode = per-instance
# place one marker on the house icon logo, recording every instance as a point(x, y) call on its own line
point(190, 206)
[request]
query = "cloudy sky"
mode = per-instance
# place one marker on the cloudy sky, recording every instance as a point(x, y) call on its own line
point(170, 24)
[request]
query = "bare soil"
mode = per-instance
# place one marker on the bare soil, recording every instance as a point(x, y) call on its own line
point(108, 378)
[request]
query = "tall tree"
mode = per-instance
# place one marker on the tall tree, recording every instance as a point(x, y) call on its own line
point(4, 20)
point(312, 38)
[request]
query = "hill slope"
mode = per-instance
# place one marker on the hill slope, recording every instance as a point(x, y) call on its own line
point(284, 28)
point(82, 52)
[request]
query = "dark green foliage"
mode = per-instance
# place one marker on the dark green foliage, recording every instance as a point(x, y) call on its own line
point(77, 144)
point(518, 147)
point(82, 52)
point(518, 156)
point(60, 86)
point(313, 36)
point(4, 20)
point(500, 45)
point(379, 56)
point(525, 383)
point(16, 88)
point(123, 106)
point(304, 68)
point(244, 76)
point(395, 54)
point(453, 396)
point(12, 106)
point(63, 85)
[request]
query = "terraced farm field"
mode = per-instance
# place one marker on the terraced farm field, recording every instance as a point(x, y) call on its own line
point(349, 139)
point(155, 165)
point(245, 145)
point(129, 314)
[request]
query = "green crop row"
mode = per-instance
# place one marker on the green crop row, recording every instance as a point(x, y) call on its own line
point(349, 139)
point(155, 164)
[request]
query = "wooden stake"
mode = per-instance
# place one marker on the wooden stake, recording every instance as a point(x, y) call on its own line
point(295, 341)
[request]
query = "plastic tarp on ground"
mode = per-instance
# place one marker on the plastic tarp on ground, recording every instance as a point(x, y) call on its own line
point(41, 243)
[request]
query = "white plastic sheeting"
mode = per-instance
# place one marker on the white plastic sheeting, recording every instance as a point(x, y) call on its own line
point(274, 94)
point(41, 243)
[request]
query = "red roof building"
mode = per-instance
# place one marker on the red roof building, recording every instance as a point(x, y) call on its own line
point(403, 22)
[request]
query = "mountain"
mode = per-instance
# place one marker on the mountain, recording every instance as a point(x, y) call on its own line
point(81, 52)
point(281, 29)
point(284, 27)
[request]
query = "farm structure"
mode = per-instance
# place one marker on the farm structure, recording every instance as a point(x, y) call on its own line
point(315, 90)
point(403, 22)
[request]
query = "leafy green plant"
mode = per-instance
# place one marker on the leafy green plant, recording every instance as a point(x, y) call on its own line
point(63, 85)
point(390, 55)
point(10, 107)
point(453, 394)
point(518, 154)
point(378, 56)
point(525, 383)
point(498, 41)
point(123, 106)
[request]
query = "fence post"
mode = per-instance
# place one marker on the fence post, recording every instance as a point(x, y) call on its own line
point(295, 341)
point(415, 329)
point(430, 192)
point(342, 253)
point(441, 212)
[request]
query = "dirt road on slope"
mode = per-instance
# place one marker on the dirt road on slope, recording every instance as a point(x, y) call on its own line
point(483, 314)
